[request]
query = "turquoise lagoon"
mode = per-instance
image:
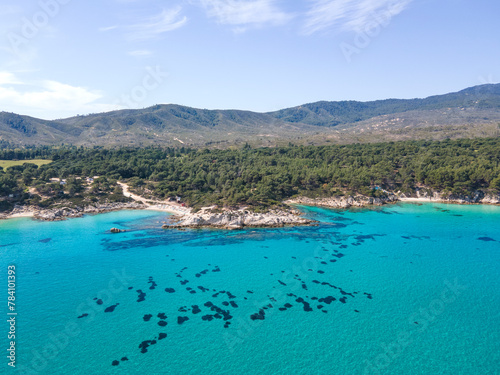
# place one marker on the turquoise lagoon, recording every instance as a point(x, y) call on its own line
point(406, 289)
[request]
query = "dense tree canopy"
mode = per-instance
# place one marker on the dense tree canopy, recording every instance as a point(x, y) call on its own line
point(265, 176)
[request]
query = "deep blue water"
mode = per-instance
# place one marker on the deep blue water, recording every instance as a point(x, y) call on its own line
point(407, 289)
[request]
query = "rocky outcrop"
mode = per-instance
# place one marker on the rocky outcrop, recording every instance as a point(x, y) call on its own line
point(237, 219)
point(478, 197)
point(116, 230)
point(62, 213)
point(343, 201)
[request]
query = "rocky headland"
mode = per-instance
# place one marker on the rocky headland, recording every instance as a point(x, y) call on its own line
point(237, 219)
point(63, 212)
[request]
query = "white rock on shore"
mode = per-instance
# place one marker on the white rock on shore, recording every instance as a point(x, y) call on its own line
point(343, 201)
point(478, 197)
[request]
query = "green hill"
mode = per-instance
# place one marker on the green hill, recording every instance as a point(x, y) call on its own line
point(468, 113)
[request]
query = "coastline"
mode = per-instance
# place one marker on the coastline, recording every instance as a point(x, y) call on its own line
point(182, 217)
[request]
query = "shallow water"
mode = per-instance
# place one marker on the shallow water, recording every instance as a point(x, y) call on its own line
point(407, 289)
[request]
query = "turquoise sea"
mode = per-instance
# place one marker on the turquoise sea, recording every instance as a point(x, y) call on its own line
point(406, 289)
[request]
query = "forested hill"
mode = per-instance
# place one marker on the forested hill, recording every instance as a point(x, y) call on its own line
point(486, 97)
point(473, 112)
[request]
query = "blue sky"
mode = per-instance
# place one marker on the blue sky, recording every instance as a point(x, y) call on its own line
point(61, 58)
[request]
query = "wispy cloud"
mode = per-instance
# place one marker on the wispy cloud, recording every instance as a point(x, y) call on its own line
point(154, 26)
point(107, 28)
point(353, 15)
point(140, 53)
point(48, 98)
point(245, 13)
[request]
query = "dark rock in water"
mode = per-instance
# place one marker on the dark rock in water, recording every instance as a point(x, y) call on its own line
point(282, 309)
point(230, 295)
point(183, 309)
point(233, 304)
point(161, 336)
point(111, 308)
point(142, 296)
point(144, 345)
point(216, 269)
point(124, 359)
point(343, 300)
point(249, 292)
point(162, 316)
point(328, 300)
point(45, 240)
point(281, 282)
point(184, 282)
point(115, 363)
point(287, 305)
point(356, 311)
point(320, 307)
point(258, 316)
point(225, 303)
point(486, 239)
point(321, 271)
point(147, 317)
point(208, 304)
point(116, 230)
point(99, 301)
point(162, 323)
point(307, 306)
point(83, 316)
point(170, 290)
point(203, 289)
point(226, 325)
point(182, 319)
point(130, 287)
point(153, 285)
point(207, 317)
point(196, 309)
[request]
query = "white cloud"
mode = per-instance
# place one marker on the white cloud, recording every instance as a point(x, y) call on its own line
point(140, 53)
point(7, 78)
point(245, 13)
point(352, 15)
point(107, 28)
point(154, 26)
point(48, 99)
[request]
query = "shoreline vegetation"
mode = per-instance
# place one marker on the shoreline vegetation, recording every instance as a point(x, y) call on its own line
point(239, 218)
point(233, 188)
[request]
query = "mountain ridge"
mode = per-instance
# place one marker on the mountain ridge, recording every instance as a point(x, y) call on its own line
point(472, 110)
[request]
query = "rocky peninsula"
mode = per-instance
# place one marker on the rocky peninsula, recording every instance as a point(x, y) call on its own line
point(238, 219)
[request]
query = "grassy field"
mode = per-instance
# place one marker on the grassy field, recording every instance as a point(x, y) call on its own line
point(10, 163)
